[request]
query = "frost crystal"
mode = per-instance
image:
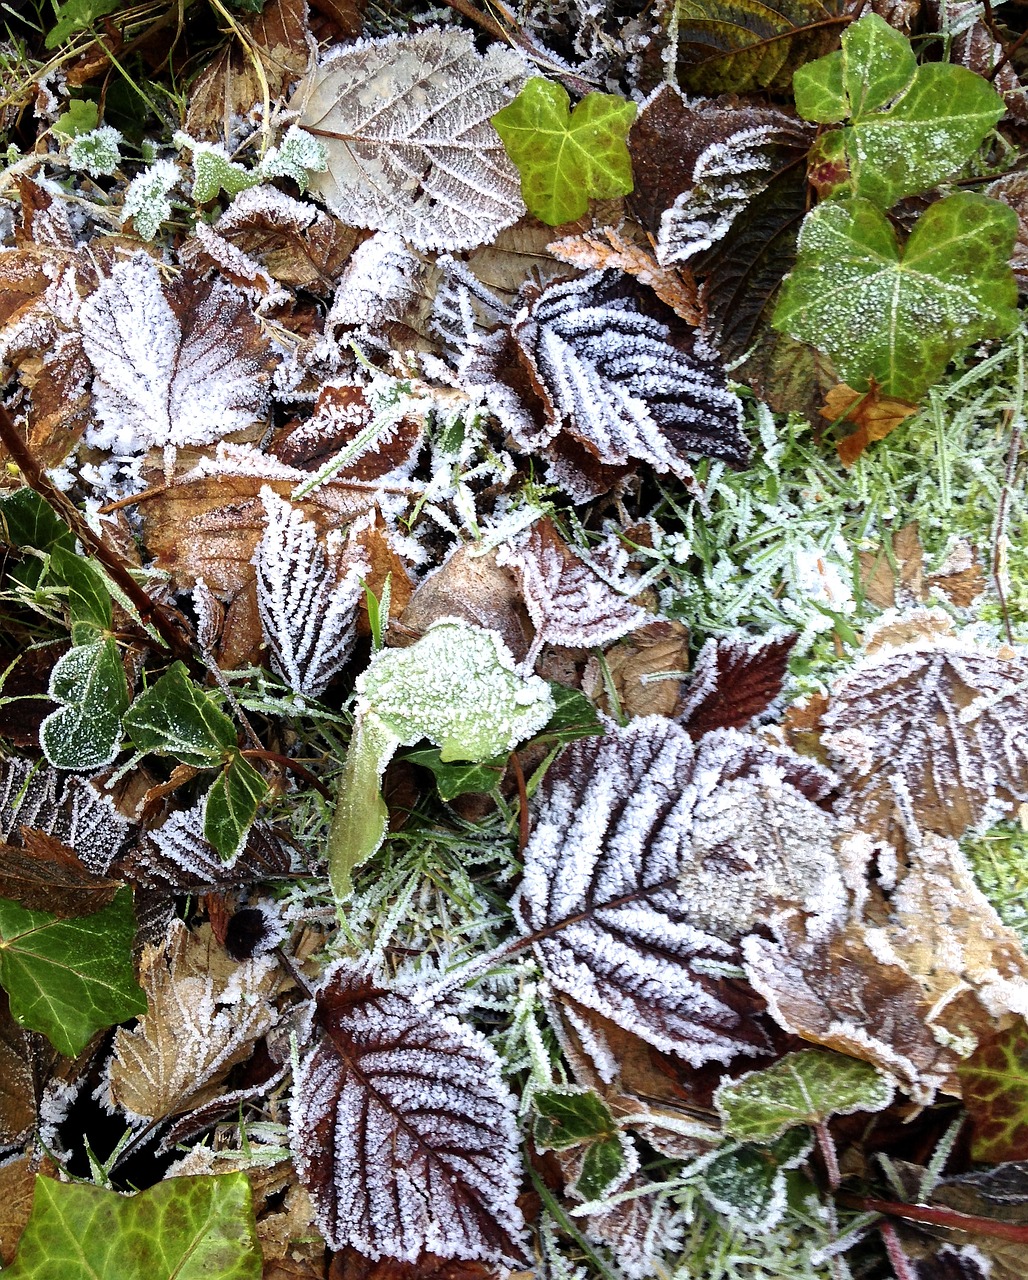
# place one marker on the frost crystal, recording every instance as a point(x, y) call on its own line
point(403, 1131)
point(651, 856)
point(405, 121)
point(379, 284)
point(298, 155)
point(146, 200)
point(307, 594)
point(96, 152)
point(174, 367)
point(584, 376)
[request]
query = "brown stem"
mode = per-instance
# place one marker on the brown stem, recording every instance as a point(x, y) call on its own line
point(940, 1217)
point(36, 478)
point(294, 766)
point(826, 1145)
point(519, 777)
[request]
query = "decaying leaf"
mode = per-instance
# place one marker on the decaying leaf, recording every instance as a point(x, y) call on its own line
point(605, 249)
point(199, 1023)
point(994, 1083)
point(883, 576)
point(45, 875)
point(651, 856)
point(586, 377)
point(645, 671)
point(406, 153)
point(17, 1184)
point(734, 681)
point(402, 1129)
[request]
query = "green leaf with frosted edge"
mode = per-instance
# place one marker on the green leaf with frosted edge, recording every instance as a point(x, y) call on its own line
point(85, 732)
point(81, 117)
point(30, 521)
point(360, 819)
point(601, 1165)
point(454, 780)
point(70, 978)
point(232, 805)
point(199, 1228)
point(574, 716)
point(803, 1088)
point(940, 116)
point(89, 601)
point(568, 1117)
point(176, 717)
point(564, 156)
point(214, 173)
point(748, 1183)
point(894, 316)
point(994, 1087)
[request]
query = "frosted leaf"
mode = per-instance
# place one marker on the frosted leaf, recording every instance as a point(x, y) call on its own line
point(585, 377)
point(638, 1230)
point(96, 152)
point(308, 594)
point(200, 1023)
point(405, 121)
point(381, 282)
point(746, 1184)
point(650, 857)
point(734, 680)
point(296, 156)
point(568, 604)
point(174, 366)
point(67, 808)
point(931, 735)
point(403, 1131)
point(146, 200)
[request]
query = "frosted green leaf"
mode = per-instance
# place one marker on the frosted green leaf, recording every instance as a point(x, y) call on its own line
point(298, 155)
point(175, 717)
point(940, 115)
point(899, 316)
point(81, 117)
point(89, 601)
point(803, 1088)
point(70, 978)
point(564, 156)
point(214, 172)
point(85, 732)
point(579, 1117)
point(232, 805)
point(146, 200)
point(182, 1229)
point(457, 687)
point(96, 152)
point(748, 1184)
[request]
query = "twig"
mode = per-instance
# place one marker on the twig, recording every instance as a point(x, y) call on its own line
point(519, 777)
point(36, 478)
point(293, 766)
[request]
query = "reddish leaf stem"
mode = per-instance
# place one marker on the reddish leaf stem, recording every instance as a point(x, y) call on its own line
point(940, 1217)
point(519, 777)
point(294, 766)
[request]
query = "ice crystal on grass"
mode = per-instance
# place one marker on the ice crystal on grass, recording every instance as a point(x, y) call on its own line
point(405, 122)
point(651, 856)
point(585, 377)
point(308, 594)
point(174, 366)
point(402, 1128)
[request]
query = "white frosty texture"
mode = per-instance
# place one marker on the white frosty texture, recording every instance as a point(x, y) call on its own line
point(67, 808)
point(146, 200)
point(96, 152)
point(727, 175)
point(416, 152)
point(158, 382)
point(308, 594)
point(651, 856)
point(379, 284)
point(567, 602)
point(176, 857)
point(403, 1131)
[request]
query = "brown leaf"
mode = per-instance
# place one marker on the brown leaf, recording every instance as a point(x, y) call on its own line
point(341, 414)
point(385, 562)
point(653, 650)
point(346, 15)
point(960, 579)
point(733, 682)
point(231, 86)
point(17, 1187)
point(606, 248)
point(1013, 190)
point(45, 875)
point(351, 1265)
point(871, 414)
point(885, 586)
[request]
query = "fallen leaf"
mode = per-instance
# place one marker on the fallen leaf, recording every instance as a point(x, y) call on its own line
point(45, 875)
point(960, 577)
point(994, 1085)
point(872, 414)
point(733, 682)
point(17, 1184)
point(606, 248)
point(659, 649)
point(885, 586)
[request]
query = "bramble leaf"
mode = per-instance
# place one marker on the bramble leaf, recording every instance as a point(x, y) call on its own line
point(183, 1229)
point(898, 316)
point(566, 157)
point(940, 116)
point(70, 978)
point(803, 1088)
point(85, 732)
point(994, 1082)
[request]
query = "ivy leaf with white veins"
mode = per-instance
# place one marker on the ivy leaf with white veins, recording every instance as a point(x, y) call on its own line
point(652, 856)
point(584, 376)
point(175, 365)
point(405, 122)
point(803, 1088)
point(897, 317)
point(403, 1131)
point(308, 595)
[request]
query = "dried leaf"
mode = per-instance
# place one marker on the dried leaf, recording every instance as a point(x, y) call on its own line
point(17, 1183)
point(198, 1025)
point(734, 681)
point(959, 578)
point(646, 671)
point(45, 875)
point(403, 1131)
point(584, 376)
point(650, 857)
point(599, 250)
point(406, 153)
point(880, 582)
point(872, 415)
point(1013, 191)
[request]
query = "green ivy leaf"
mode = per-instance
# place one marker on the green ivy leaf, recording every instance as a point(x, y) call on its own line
point(940, 115)
point(89, 601)
point(602, 1164)
point(574, 716)
point(454, 780)
point(565, 157)
point(361, 817)
point(232, 805)
point(994, 1085)
point(803, 1088)
point(85, 733)
point(199, 1228)
point(70, 978)
point(175, 717)
point(899, 316)
point(748, 1184)
point(30, 521)
point(575, 1117)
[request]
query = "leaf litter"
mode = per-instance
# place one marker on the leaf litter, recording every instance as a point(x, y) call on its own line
point(494, 782)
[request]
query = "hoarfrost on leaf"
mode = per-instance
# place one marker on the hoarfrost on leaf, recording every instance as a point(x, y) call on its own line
point(308, 594)
point(405, 123)
point(297, 156)
point(402, 1129)
point(146, 200)
point(96, 152)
